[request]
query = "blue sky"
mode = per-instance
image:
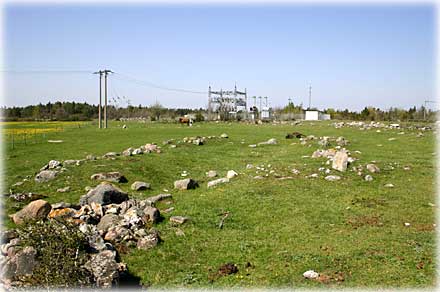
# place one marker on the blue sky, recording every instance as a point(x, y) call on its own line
point(353, 55)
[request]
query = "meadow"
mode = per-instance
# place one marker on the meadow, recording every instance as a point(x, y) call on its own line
point(351, 230)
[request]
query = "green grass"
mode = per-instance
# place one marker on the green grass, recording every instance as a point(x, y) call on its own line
point(281, 227)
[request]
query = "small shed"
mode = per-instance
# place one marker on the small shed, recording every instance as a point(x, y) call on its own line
point(314, 115)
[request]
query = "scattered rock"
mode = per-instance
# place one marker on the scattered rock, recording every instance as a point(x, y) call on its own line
point(63, 190)
point(185, 184)
point(46, 175)
point(218, 181)
point(368, 177)
point(104, 268)
point(231, 174)
point(140, 186)
point(224, 135)
point(271, 141)
point(389, 185)
point(211, 173)
point(372, 168)
point(332, 178)
point(178, 219)
point(149, 241)
point(35, 210)
point(154, 199)
point(109, 176)
point(340, 161)
point(151, 214)
point(310, 274)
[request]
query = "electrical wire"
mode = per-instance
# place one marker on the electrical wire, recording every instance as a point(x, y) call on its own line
point(46, 71)
point(150, 84)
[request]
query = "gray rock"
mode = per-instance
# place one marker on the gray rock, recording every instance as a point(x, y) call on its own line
point(148, 241)
point(107, 221)
point(341, 141)
point(224, 135)
point(104, 194)
point(63, 190)
point(373, 168)
point(69, 162)
point(151, 214)
point(152, 200)
point(54, 164)
point(137, 151)
point(185, 184)
point(109, 176)
point(104, 268)
point(127, 152)
point(231, 174)
point(46, 175)
point(332, 177)
point(368, 177)
point(20, 264)
point(271, 141)
point(35, 210)
point(111, 154)
point(340, 161)
point(178, 219)
point(211, 173)
point(218, 181)
point(140, 186)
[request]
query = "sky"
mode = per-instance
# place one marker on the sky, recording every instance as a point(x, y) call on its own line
point(352, 55)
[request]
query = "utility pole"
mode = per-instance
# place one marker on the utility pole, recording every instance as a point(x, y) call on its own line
point(310, 96)
point(266, 100)
point(424, 109)
point(106, 72)
point(100, 72)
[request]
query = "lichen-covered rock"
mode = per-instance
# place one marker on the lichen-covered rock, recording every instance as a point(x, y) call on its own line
point(35, 210)
point(104, 268)
point(148, 241)
point(105, 193)
point(151, 214)
point(107, 221)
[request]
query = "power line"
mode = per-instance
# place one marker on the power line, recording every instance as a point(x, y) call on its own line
point(46, 71)
point(151, 84)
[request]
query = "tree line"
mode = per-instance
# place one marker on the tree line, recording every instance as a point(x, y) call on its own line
point(72, 111)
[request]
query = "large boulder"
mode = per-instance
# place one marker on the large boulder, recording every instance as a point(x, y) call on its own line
point(35, 210)
point(104, 194)
point(340, 161)
point(185, 184)
point(151, 214)
point(46, 175)
point(109, 176)
point(19, 264)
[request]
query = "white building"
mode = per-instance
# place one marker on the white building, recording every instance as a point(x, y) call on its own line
point(316, 116)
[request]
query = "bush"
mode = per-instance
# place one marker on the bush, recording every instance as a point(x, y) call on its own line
point(61, 254)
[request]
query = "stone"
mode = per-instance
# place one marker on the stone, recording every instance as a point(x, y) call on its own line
point(140, 186)
point(90, 157)
point(311, 274)
point(178, 219)
point(62, 213)
point(116, 233)
point(149, 241)
point(109, 176)
point(389, 185)
point(151, 214)
point(340, 161)
point(35, 210)
point(231, 174)
point(271, 141)
point(332, 178)
point(137, 151)
point(218, 181)
point(152, 200)
point(185, 184)
point(54, 164)
point(224, 135)
point(104, 268)
point(127, 152)
point(253, 145)
point(111, 154)
point(372, 168)
point(19, 264)
point(341, 141)
point(211, 173)
point(69, 162)
point(105, 193)
point(63, 190)
point(368, 177)
point(46, 175)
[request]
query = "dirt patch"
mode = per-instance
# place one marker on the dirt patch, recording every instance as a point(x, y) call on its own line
point(363, 220)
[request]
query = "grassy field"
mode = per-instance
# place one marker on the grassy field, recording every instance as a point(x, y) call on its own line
point(350, 230)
